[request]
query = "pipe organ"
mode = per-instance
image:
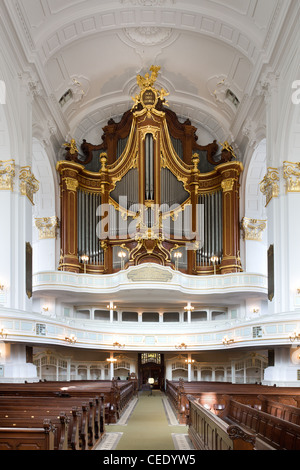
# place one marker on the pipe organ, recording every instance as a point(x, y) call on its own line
point(150, 193)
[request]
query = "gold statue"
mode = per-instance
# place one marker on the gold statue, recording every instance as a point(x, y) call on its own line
point(72, 147)
point(228, 148)
point(147, 81)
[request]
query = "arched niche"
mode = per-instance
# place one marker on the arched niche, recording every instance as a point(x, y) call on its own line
point(45, 214)
point(254, 225)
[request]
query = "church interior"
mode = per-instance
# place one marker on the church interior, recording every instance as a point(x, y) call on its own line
point(149, 241)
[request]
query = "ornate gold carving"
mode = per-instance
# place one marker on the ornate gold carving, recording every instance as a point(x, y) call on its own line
point(253, 228)
point(29, 185)
point(149, 95)
point(150, 273)
point(47, 227)
point(269, 185)
point(71, 184)
point(227, 185)
point(73, 150)
point(7, 174)
point(291, 173)
point(228, 148)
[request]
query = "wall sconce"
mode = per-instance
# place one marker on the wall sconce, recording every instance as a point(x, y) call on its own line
point(190, 361)
point(298, 291)
point(294, 336)
point(111, 306)
point(2, 287)
point(118, 345)
point(189, 308)
point(214, 260)
point(85, 259)
point(46, 309)
point(227, 341)
point(256, 310)
point(181, 346)
point(177, 257)
point(111, 359)
point(71, 339)
point(3, 333)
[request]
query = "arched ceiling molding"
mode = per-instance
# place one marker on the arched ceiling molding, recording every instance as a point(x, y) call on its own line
point(51, 32)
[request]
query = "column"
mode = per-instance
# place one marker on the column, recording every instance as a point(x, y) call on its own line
point(16, 367)
point(69, 236)
point(284, 373)
point(189, 368)
point(231, 227)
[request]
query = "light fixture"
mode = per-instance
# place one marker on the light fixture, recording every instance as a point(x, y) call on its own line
point(118, 345)
point(71, 339)
point(214, 260)
point(177, 256)
point(255, 310)
point(298, 291)
point(111, 306)
point(85, 260)
point(2, 287)
point(122, 255)
point(227, 341)
point(190, 361)
point(111, 359)
point(181, 346)
point(46, 309)
point(294, 336)
point(189, 308)
point(3, 333)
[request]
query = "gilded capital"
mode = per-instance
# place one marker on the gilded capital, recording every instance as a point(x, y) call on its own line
point(71, 184)
point(47, 227)
point(7, 174)
point(228, 184)
point(269, 185)
point(29, 185)
point(291, 174)
point(253, 229)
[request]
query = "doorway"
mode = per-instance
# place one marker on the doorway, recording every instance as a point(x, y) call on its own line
point(151, 366)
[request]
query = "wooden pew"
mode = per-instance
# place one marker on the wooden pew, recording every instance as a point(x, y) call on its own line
point(83, 415)
point(278, 433)
point(274, 408)
point(210, 394)
point(208, 432)
point(16, 438)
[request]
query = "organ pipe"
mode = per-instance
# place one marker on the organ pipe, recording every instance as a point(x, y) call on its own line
point(88, 242)
point(212, 243)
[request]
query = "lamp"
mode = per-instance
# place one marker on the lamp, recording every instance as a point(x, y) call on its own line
point(177, 256)
point(214, 260)
point(298, 291)
point(111, 306)
point(122, 255)
point(227, 341)
point(85, 260)
point(189, 308)
point(181, 346)
point(3, 333)
point(118, 345)
point(71, 339)
point(111, 359)
point(2, 287)
point(294, 336)
point(255, 310)
point(190, 361)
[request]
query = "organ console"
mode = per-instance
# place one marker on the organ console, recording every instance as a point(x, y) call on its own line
point(150, 190)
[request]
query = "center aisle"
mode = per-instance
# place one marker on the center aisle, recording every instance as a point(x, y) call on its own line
point(148, 427)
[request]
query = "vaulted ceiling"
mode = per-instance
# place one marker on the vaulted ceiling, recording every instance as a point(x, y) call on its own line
point(211, 53)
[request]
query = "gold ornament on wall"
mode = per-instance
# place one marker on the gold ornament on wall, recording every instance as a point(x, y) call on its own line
point(47, 227)
point(29, 185)
point(253, 229)
point(291, 174)
point(269, 185)
point(7, 174)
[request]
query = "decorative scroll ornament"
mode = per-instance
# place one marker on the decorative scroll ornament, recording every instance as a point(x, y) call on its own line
point(7, 174)
point(269, 185)
point(149, 96)
point(291, 173)
point(29, 185)
point(47, 227)
point(253, 228)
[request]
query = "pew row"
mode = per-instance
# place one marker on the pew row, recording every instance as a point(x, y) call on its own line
point(211, 395)
point(208, 432)
point(28, 439)
point(274, 431)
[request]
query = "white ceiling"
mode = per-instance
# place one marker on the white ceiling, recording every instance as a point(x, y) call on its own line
point(204, 47)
